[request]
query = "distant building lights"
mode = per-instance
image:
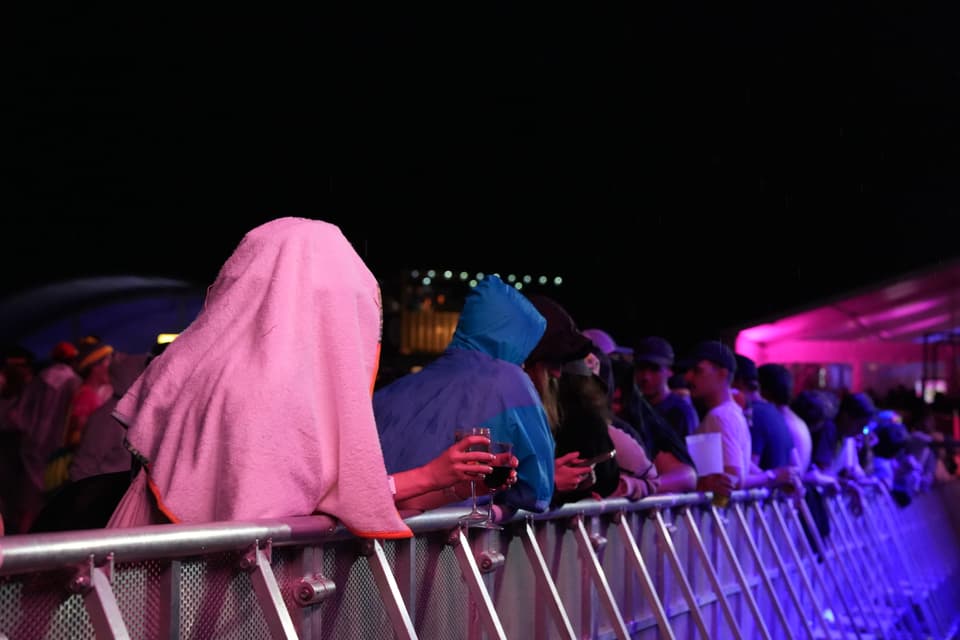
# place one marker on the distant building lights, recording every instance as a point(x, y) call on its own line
point(558, 281)
point(527, 279)
point(511, 278)
point(426, 280)
point(519, 286)
point(464, 275)
point(480, 276)
point(473, 283)
point(432, 273)
point(414, 274)
point(166, 338)
point(447, 274)
point(542, 279)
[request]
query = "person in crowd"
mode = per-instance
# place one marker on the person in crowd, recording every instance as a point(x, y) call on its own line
point(774, 461)
point(92, 365)
point(633, 415)
point(16, 374)
point(776, 387)
point(585, 427)
point(262, 407)
point(653, 362)
point(101, 449)
point(563, 343)
point(710, 374)
point(605, 342)
point(40, 417)
point(476, 381)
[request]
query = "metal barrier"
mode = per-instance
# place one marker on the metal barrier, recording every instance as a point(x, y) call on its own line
point(664, 567)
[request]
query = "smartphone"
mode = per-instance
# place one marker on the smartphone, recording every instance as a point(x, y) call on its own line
point(603, 457)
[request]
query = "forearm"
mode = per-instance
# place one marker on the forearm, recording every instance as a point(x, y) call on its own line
point(414, 482)
point(431, 499)
point(756, 479)
point(675, 476)
point(681, 479)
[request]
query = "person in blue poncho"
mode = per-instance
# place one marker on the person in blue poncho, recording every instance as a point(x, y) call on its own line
point(476, 382)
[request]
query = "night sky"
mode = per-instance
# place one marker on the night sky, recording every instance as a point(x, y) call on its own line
point(686, 167)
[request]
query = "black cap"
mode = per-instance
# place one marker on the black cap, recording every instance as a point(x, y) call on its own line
point(776, 382)
point(654, 349)
point(716, 352)
point(746, 368)
point(561, 341)
point(858, 405)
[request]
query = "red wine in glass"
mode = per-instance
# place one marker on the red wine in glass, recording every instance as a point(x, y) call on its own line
point(503, 454)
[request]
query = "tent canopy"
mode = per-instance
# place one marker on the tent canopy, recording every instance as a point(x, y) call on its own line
point(885, 323)
point(126, 311)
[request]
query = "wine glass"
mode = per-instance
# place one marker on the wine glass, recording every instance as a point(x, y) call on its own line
point(503, 452)
point(475, 516)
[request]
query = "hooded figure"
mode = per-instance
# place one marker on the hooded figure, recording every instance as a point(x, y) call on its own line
point(477, 381)
point(101, 448)
point(261, 408)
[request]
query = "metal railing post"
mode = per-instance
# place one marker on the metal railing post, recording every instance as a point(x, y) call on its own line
point(257, 561)
point(764, 577)
point(798, 563)
point(778, 559)
point(745, 590)
point(471, 575)
point(821, 549)
point(545, 583)
point(389, 590)
point(599, 578)
point(680, 576)
point(649, 590)
point(711, 574)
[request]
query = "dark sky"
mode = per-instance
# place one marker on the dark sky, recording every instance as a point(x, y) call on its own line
point(685, 166)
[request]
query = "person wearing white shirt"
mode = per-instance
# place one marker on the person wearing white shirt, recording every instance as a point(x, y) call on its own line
point(712, 365)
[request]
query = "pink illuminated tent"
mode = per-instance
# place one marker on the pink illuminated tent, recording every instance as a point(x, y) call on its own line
point(879, 333)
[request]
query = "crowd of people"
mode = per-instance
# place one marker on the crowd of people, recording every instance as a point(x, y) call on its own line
point(269, 405)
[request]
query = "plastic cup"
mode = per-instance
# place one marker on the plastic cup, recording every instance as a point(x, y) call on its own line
point(707, 453)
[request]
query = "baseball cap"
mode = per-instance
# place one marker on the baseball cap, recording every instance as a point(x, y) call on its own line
point(654, 349)
point(746, 368)
point(562, 341)
point(713, 351)
point(605, 342)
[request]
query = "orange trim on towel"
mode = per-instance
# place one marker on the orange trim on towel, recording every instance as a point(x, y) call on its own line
point(162, 507)
point(385, 535)
point(376, 369)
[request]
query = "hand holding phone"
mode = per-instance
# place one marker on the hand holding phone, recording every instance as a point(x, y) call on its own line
point(589, 462)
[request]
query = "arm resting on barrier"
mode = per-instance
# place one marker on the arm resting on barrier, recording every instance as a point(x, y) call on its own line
point(675, 476)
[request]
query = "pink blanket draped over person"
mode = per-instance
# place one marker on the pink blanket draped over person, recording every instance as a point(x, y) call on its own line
point(262, 407)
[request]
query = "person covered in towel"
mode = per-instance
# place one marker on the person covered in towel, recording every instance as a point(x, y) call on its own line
point(476, 382)
point(262, 407)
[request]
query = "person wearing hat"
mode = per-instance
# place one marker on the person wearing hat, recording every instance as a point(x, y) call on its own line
point(562, 343)
point(653, 364)
point(710, 374)
point(774, 460)
point(605, 342)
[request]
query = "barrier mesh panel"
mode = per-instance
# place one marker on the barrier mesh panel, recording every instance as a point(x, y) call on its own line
point(355, 610)
point(137, 589)
point(217, 600)
point(443, 603)
point(35, 606)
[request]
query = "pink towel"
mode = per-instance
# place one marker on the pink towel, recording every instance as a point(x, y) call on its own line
point(262, 407)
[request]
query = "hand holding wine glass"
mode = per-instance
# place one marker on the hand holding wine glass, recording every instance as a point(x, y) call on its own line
point(463, 461)
point(475, 440)
point(504, 470)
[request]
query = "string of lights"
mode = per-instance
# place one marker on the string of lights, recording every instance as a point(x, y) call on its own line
point(428, 276)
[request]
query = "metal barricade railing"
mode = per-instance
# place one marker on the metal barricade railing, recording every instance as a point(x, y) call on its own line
point(671, 566)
